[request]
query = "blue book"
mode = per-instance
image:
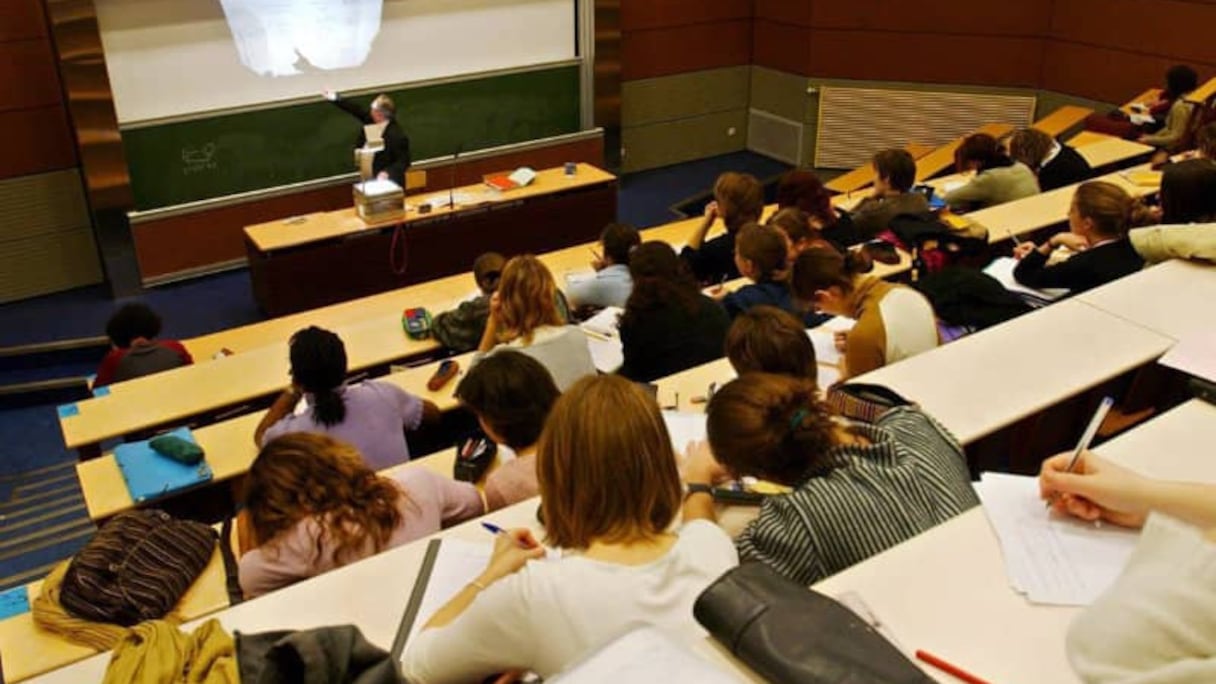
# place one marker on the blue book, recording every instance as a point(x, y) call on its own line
point(151, 476)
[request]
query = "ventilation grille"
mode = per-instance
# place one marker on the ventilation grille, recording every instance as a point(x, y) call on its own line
point(854, 123)
point(774, 136)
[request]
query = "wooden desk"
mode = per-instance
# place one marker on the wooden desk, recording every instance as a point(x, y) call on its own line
point(954, 570)
point(1148, 97)
point(943, 157)
point(865, 175)
point(986, 381)
point(1173, 299)
point(1201, 94)
point(1088, 138)
point(336, 256)
point(1062, 119)
point(1110, 151)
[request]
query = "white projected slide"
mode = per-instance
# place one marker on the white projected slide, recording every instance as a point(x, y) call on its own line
point(173, 57)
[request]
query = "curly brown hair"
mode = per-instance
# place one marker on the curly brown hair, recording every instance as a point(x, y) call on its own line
point(306, 475)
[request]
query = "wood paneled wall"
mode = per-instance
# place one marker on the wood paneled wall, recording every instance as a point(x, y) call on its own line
point(668, 37)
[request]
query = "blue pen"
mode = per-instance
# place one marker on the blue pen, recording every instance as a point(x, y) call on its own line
point(492, 528)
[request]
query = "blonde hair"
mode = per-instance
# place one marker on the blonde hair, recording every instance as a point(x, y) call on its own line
point(1112, 210)
point(527, 299)
point(384, 104)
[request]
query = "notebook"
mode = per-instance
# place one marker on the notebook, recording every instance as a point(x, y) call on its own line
point(448, 566)
point(150, 476)
point(1002, 270)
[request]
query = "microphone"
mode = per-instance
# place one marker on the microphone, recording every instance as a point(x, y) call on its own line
point(452, 184)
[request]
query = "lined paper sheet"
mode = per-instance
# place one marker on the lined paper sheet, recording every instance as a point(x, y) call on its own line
point(1052, 559)
point(824, 339)
point(458, 563)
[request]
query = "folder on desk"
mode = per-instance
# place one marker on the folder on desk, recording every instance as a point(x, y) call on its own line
point(150, 476)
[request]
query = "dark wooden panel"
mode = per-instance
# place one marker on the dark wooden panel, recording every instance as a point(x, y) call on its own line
point(677, 50)
point(21, 19)
point(607, 98)
point(1029, 18)
point(784, 47)
point(649, 14)
point(1169, 29)
point(205, 238)
point(1104, 74)
point(27, 75)
point(35, 141)
point(797, 12)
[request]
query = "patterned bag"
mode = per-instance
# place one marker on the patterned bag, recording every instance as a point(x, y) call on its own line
point(136, 568)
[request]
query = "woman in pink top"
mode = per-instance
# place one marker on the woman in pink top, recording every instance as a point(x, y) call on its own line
point(311, 505)
point(511, 394)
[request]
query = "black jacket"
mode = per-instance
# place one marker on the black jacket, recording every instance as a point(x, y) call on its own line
point(715, 261)
point(395, 157)
point(664, 340)
point(1067, 168)
point(1084, 271)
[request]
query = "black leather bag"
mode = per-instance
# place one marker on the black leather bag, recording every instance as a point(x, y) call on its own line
point(788, 633)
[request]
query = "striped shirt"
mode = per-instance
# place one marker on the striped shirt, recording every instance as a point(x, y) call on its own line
point(912, 476)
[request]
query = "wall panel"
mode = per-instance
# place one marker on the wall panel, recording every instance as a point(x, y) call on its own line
point(27, 74)
point(675, 50)
point(649, 14)
point(21, 20)
point(34, 141)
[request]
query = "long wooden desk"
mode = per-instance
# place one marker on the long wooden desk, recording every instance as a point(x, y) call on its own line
point(330, 257)
point(1201, 94)
point(1103, 150)
point(943, 157)
point(953, 598)
point(1148, 97)
point(1174, 299)
point(1062, 119)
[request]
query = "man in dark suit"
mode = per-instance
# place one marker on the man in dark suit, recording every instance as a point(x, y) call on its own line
point(392, 161)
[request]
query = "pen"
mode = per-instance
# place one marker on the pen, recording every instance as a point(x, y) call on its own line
point(1014, 236)
point(1090, 432)
point(953, 670)
point(496, 530)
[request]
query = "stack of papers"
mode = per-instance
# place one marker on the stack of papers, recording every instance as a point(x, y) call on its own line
point(1002, 270)
point(1050, 558)
point(604, 339)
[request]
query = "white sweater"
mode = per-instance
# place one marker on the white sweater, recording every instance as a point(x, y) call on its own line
point(1157, 623)
point(551, 613)
point(562, 349)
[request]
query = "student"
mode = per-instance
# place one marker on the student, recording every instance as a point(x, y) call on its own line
point(1180, 81)
point(1055, 163)
point(1188, 191)
point(511, 394)
point(895, 172)
point(762, 256)
point(801, 189)
point(612, 283)
point(311, 504)
point(797, 227)
point(893, 321)
point(134, 349)
point(610, 495)
point(1154, 624)
point(461, 328)
point(738, 199)
point(765, 339)
point(371, 415)
point(998, 179)
point(391, 162)
point(668, 324)
point(524, 315)
point(1098, 221)
point(858, 488)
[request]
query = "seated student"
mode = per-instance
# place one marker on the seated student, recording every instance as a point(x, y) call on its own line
point(1154, 624)
point(1180, 81)
point(511, 395)
point(612, 283)
point(893, 321)
point(738, 199)
point(371, 415)
point(524, 315)
point(765, 339)
point(610, 494)
point(895, 173)
point(461, 328)
point(311, 505)
point(798, 229)
point(859, 488)
point(668, 324)
point(1098, 222)
point(1188, 191)
point(762, 255)
point(802, 189)
point(135, 351)
point(998, 179)
point(1055, 163)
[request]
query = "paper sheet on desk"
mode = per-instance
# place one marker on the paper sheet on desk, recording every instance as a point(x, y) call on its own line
point(645, 654)
point(684, 427)
point(604, 340)
point(1002, 270)
point(824, 339)
point(1049, 558)
point(1194, 355)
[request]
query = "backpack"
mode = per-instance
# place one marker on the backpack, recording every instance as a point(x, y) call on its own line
point(935, 245)
point(136, 568)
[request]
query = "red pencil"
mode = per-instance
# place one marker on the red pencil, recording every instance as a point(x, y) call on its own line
point(948, 668)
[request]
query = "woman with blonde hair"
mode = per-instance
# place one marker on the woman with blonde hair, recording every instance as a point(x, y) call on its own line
point(1098, 221)
point(311, 505)
point(524, 315)
point(610, 493)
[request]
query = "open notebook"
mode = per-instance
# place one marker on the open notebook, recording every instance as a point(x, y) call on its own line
point(1002, 270)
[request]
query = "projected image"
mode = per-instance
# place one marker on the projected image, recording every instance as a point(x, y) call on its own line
point(289, 37)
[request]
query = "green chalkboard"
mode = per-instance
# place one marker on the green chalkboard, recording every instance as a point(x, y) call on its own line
point(203, 158)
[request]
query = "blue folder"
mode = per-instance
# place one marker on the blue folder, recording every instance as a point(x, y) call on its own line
point(15, 601)
point(150, 476)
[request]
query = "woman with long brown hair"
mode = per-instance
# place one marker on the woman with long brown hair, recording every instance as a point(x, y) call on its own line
point(610, 494)
point(311, 505)
point(524, 315)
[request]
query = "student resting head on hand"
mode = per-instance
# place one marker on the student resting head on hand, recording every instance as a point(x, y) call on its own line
point(1154, 624)
point(738, 200)
point(1055, 163)
point(610, 494)
point(511, 394)
point(857, 488)
point(998, 179)
point(311, 505)
point(612, 283)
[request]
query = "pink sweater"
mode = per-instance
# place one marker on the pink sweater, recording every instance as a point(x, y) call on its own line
point(512, 482)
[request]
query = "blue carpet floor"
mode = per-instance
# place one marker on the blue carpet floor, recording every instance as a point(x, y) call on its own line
point(42, 518)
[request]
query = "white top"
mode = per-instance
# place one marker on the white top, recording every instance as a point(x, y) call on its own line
point(1157, 624)
point(551, 613)
point(610, 286)
point(561, 349)
point(910, 322)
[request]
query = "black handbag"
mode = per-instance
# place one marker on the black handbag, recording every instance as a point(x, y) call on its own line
point(788, 633)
